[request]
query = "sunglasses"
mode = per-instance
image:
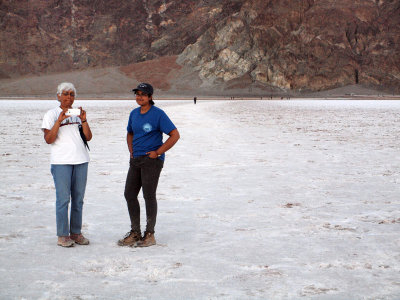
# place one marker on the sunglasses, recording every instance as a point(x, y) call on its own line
point(72, 94)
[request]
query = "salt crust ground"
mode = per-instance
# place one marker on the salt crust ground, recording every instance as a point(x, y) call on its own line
point(258, 200)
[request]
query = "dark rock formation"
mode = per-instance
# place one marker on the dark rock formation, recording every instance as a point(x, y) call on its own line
point(303, 45)
point(258, 45)
point(39, 36)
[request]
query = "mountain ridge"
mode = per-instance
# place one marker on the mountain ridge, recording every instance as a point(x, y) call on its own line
point(219, 48)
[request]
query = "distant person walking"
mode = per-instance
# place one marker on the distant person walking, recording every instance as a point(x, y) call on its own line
point(145, 129)
point(195, 100)
point(69, 163)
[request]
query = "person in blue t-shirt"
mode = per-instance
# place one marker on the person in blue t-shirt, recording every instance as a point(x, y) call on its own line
point(145, 130)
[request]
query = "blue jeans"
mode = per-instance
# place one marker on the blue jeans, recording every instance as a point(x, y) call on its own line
point(70, 183)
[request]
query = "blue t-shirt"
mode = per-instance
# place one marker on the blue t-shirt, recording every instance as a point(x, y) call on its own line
point(148, 130)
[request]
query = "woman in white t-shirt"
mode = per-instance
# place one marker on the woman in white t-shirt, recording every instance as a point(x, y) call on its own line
point(69, 163)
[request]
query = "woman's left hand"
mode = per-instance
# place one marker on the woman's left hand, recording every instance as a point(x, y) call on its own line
point(152, 154)
point(82, 116)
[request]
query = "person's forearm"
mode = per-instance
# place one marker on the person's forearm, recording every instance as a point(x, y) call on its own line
point(169, 143)
point(129, 140)
point(86, 130)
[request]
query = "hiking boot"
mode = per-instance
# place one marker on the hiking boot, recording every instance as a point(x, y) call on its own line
point(65, 241)
point(130, 239)
point(79, 239)
point(148, 240)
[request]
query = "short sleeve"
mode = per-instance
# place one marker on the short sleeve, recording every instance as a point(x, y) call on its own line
point(166, 124)
point(48, 121)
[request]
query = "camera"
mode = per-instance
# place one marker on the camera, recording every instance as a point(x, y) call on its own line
point(73, 112)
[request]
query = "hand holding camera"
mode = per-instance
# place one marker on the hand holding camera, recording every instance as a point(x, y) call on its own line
point(73, 112)
point(77, 112)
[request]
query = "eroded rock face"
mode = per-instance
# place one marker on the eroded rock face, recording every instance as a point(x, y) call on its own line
point(39, 36)
point(303, 45)
point(289, 45)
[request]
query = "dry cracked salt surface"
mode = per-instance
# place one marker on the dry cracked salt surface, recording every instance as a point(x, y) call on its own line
point(284, 199)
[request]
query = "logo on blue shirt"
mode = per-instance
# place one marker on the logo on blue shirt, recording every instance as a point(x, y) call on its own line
point(147, 127)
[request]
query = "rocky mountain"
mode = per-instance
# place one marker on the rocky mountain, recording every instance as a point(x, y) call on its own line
point(255, 46)
point(39, 36)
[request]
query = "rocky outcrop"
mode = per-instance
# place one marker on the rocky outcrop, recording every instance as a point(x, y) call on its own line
point(42, 36)
point(303, 45)
point(257, 45)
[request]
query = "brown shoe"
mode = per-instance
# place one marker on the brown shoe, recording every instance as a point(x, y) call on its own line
point(130, 239)
point(65, 241)
point(79, 239)
point(148, 240)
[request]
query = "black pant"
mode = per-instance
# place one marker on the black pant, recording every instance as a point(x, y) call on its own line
point(143, 172)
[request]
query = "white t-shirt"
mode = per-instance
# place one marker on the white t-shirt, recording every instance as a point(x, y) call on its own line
point(68, 148)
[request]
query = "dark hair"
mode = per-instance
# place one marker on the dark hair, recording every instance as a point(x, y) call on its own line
point(151, 101)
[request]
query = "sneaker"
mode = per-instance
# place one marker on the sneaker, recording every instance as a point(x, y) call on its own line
point(148, 240)
point(130, 239)
point(65, 241)
point(79, 239)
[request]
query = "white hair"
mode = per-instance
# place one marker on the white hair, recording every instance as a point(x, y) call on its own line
point(65, 86)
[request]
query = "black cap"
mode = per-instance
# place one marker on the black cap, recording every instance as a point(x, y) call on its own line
point(145, 88)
